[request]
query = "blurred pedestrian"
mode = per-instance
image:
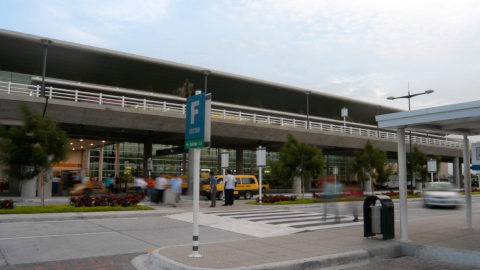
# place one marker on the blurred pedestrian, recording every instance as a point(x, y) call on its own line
point(150, 185)
point(176, 187)
point(107, 183)
point(160, 183)
point(112, 185)
point(329, 191)
point(213, 189)
point(139, 183)
point(55, 181)
point(229, 186)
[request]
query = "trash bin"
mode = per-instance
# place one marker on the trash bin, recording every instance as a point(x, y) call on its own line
point(379, 219)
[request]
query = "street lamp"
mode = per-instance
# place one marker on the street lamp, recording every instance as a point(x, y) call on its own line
point(307, 93)
point(45, 42)
point(378, 110)
point(206, 72)
point(410, 133)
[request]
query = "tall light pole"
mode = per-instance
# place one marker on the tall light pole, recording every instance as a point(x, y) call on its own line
point(410, 132)
point(307, 93)
point(206, 72)
point(46, 43)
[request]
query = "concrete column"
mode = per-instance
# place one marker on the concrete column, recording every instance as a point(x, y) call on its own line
point(456, 172)
point(367, 186)
point(86, 161)
point(239, 161)
point(147, 153)
point(100, 165)
point(191, 171)
point(14, 187)
point(29, 188)
point(308, 184)
point(184, 164)
point(297, 185)
point(117, 159)
point(468, 182)
point(402, 175)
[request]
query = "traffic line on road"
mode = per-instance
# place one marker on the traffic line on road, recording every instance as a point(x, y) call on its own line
point(54, 235)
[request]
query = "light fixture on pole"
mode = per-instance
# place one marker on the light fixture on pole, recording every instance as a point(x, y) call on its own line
point(46, 43)
point(410, 132)
point(344, 115)
point(307, 93)
point(335, 173)
point(224, 164)
point(206, 72)
point(261, 163)
point(432, 167)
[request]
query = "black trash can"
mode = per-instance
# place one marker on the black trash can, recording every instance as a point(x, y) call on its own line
point(379, 218)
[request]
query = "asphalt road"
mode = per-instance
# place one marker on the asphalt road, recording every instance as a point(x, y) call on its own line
point(30, 242)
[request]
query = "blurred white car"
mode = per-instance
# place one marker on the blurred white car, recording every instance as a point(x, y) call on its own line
point(440, 194)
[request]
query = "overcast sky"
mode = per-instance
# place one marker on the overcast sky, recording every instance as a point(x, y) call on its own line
point(366, 50)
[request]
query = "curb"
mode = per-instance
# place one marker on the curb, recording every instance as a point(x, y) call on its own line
point(442, 254)
point(83, 216)
point(352, 258)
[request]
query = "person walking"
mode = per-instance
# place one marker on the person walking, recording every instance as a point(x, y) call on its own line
point(112, 185)
point(150, 185)
point(107, 183)
point(176, 187)
point(213, 189)
point(229, 185)
point(160, 183)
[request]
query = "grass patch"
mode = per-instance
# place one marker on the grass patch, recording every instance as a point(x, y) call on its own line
point(311, 200)
point(474, 192)
point(66, 208)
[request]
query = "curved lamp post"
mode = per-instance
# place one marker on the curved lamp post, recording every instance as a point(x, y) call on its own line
point(206, 72)
point(410, 132)
point(46, 43)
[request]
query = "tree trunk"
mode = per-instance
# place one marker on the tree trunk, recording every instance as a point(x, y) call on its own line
point(43, 186)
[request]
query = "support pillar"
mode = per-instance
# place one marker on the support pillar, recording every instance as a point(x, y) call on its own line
point(117, 160)
point(297, 185)
point(468, 183)
point(147, 153)
point(402, 175)
point(252, 157)
point(29, 188)
point(456, 172)
point(239, 161)
point(100, 165)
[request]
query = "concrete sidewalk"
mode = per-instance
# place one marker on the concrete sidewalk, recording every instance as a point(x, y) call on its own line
point(440, 238)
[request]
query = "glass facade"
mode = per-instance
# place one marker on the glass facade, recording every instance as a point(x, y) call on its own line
point(131, 162)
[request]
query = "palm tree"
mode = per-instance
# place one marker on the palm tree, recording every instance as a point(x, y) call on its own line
point(184, 90)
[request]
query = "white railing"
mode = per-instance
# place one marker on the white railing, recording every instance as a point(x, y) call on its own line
point(145, 104)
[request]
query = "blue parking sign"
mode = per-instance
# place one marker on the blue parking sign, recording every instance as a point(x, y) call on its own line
point(195, 125)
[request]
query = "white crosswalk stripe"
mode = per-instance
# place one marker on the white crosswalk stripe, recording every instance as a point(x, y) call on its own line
point(269, 222)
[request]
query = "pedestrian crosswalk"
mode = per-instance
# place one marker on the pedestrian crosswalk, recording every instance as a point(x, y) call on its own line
point(270, 222)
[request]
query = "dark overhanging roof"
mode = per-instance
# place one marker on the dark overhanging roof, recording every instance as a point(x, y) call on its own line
point(23, 53)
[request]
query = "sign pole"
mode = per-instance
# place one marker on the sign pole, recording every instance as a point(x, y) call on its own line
point(224, 164)
point(261, 163)
point(197, 136)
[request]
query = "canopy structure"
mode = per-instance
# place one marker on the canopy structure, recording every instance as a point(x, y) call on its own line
point(460, 119)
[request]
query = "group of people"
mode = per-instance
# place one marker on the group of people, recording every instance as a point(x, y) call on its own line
point(110, 184)
point(230, 184)
point(155, 188)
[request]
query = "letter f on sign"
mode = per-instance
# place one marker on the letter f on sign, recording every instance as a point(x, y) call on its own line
point(194, 111)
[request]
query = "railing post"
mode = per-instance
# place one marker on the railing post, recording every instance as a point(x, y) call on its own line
point(123, 101)
point(38, 90)
point(360, 131)
point(268, 119)
point(76, 95)
point(223, 113)
point(294, 123)
point(351, 132)
point(50, 92)
point(8, 87)
point(239, 116)
point(254, 118)
point(183, 108)
point(309, 125)
point(164, 106)
point(100, 99)
point(281, 121)
point(144, 103)
point(321, 125)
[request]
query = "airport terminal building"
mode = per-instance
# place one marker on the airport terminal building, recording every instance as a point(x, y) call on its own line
point(120, 109)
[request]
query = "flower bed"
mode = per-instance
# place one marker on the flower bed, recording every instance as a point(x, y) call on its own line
point(276, 198)
point(395, 193)
point(6, 204)
point(111, 200)
point(350, 193)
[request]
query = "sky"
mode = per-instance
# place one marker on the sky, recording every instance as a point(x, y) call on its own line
point(367, 50)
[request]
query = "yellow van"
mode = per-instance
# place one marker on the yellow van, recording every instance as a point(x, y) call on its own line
point(247, 186)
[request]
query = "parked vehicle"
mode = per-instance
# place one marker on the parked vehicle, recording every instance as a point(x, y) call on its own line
point(265, 186)
point(440, 194)
point(247, 186)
